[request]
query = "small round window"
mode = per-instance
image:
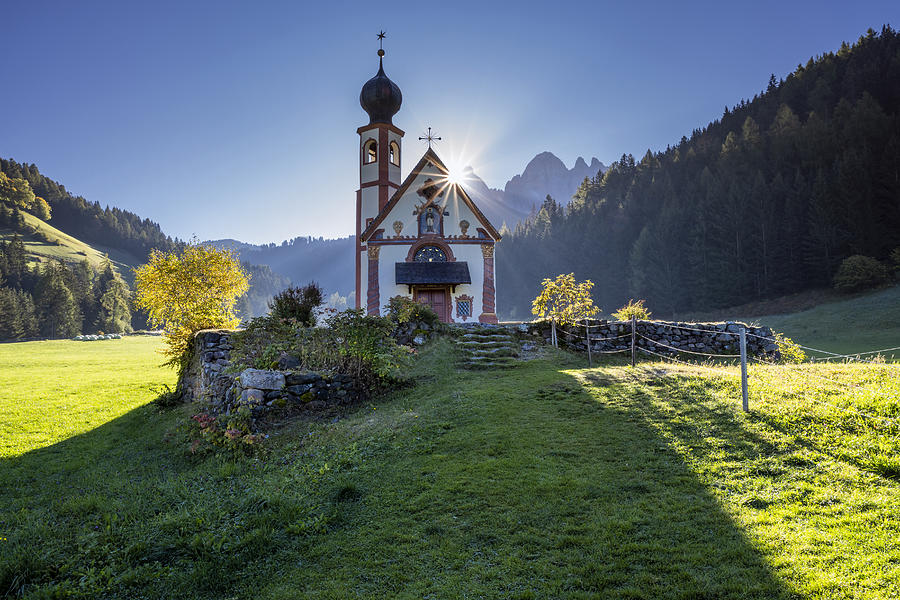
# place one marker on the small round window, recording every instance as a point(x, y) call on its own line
point(430, 254)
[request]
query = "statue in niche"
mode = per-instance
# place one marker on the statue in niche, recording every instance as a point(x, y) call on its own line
point(429, 221)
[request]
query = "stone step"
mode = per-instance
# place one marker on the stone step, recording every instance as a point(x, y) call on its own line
point(490, 352)
point(486, 338)
point(493, 363)
point(473, 345)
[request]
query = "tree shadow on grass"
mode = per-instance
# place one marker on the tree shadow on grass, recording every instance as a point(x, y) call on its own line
point(520, 486)
point(527, 486)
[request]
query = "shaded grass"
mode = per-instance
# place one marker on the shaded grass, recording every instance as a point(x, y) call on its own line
point(545, 481)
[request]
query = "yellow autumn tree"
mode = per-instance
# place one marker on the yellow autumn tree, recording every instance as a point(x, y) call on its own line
point(184, 292)
point(565, 301)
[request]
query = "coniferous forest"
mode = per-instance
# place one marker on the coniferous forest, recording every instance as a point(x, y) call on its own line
point(765, 201)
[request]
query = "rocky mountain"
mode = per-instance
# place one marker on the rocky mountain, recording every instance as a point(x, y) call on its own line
point(522, 195)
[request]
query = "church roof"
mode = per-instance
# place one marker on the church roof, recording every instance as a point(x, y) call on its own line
point(414, 273)
point(432, 157)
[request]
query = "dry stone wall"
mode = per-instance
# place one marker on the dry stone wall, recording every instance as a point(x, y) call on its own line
point(665, 337)
point(209, 379)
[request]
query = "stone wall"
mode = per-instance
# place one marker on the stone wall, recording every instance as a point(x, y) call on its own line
point(209, 379)
point(699, 338)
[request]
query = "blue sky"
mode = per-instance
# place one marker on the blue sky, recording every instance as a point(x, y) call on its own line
point(238, 119)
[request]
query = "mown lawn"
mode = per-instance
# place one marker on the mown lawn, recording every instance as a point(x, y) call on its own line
point(545, 481)
point(53, 390)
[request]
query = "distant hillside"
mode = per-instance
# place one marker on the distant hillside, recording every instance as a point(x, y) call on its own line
point(763, 202)
point(330, 263)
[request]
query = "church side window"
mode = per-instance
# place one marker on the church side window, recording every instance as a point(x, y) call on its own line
point(430, 254)
point(370, 152)
point(395, 154)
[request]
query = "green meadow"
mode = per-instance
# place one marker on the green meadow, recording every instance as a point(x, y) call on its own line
point(550, 480)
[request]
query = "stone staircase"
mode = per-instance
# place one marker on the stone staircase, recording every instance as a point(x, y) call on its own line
point(488, 348)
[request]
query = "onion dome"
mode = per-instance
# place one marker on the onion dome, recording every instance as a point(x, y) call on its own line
point(380, 97)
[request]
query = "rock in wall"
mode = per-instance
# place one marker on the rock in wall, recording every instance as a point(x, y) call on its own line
point(664, 337)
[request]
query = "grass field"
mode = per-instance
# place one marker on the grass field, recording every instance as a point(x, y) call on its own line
point(65, 247)
point(858, 324)
point(548, 481)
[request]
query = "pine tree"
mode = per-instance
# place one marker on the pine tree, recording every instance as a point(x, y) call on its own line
point(56, 307)
point(115, 313)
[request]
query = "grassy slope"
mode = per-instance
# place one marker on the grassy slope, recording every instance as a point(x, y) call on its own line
point(858, 324)
point(548, 481)
point(66, 247)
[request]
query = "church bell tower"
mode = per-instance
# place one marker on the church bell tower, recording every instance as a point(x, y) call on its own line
point(379, 157)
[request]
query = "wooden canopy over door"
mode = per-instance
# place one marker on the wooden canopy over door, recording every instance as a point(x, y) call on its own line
point(438, 298)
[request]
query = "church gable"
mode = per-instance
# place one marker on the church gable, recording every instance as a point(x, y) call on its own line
point(426, 204)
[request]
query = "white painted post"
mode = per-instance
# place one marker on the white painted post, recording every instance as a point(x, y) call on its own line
point(587, 335)
point(553, 333)
point(746, 401)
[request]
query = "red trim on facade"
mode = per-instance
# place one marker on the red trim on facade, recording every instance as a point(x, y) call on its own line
point(373, 296)
point(374, 183)
point(389, 126)
point(358, 281)
point(384, 161)
point(488, 310)
point(429, 156)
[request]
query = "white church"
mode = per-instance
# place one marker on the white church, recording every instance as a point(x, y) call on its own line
point(422, 237)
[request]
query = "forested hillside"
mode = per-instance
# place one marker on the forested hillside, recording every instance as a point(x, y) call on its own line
point(87, 221)
point(764, 201)
point(53, 284)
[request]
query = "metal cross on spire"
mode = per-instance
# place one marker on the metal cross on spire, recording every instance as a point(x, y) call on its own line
point(381, 36)
point(429, 137)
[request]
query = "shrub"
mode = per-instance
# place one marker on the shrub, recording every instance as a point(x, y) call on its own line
point(790, 351)
point(297, 303)
point(632, 309)
point(351, 343)
point(210, 433)
point(401, 309)
point(859, 272)
point(895, 258)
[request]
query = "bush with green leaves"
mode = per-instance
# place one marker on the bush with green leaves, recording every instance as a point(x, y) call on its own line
point(632, 309)
point(789, 350)
point(350, 343)
point(860, 272)
point(401, 309)
point(297, 303)
point(895, 258)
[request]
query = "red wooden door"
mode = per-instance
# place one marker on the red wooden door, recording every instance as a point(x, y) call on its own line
point(437, 300)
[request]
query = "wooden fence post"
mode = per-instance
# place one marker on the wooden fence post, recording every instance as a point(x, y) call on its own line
point(587, 335)
point(633, 322)
point(743, 340)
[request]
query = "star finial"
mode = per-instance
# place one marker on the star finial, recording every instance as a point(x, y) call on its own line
point(429, 137)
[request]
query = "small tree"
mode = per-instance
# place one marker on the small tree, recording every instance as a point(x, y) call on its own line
point(297, 303)
point(632, 309)
point(859, 272)
point(563, 300)
point(189, 291)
